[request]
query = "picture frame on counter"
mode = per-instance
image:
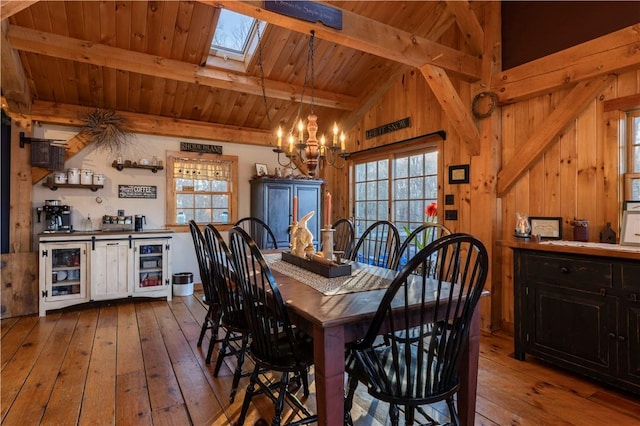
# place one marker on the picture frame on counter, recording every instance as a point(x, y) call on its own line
point(631, 205)
point(548, 228)
point(630, 235)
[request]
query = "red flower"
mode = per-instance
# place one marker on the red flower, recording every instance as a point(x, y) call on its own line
point(431, 210)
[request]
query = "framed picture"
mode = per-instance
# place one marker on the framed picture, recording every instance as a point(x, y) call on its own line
point(549, 228)
point(261, 169)
point(630, 228)
point(459, 174)
point(631, 206)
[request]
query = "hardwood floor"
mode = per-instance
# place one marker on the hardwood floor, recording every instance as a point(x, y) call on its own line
point(138, 363)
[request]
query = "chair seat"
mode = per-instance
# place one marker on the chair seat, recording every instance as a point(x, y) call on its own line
point(286, 359)
point(374, 368)
point(236, 321)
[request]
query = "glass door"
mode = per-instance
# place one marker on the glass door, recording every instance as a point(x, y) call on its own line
point(151, 258)
point(66, 272)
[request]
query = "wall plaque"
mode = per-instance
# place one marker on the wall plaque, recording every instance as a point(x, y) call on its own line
point(388, 128)
point(137, 191)
point(307, 11)
point(201, 147)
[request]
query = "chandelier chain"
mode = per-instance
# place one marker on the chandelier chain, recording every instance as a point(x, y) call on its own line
point(262, 85)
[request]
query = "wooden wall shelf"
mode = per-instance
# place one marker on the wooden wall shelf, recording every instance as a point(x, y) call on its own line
point(125, 165)
point(54, 186)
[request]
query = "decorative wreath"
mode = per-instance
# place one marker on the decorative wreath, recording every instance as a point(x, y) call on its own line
point(107, 130)
point(492, 106)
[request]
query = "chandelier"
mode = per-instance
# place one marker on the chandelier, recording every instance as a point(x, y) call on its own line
point(313, 152)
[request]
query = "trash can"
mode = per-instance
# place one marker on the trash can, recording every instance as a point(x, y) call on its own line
point(182, 284)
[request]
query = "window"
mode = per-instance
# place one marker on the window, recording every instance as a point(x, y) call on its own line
point(397, 188)
point(233, 36)
point(632, 177)
point(201, 187)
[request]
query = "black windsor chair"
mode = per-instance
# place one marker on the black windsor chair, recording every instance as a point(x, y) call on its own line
point(343, 237)
point(210, 298)
point(418, 239)
point(259, 231)
point(233, 318)
point(378, 245)
point(275, 344)
point(415, 372)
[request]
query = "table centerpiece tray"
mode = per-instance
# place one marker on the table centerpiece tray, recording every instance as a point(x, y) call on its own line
point(324, 269)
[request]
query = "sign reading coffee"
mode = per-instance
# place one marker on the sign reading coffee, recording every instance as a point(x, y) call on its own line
point(137, 191)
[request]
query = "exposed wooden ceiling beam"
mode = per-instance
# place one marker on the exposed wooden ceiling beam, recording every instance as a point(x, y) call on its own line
point(453, 107)
point(98, 54)
point(612, 53)
point(373, 37)
point(15, 87)
point(8, 8)
point(568, 109)
point(468, 24)
point(72, 115)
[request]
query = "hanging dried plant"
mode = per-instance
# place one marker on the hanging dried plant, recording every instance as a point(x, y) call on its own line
point(107, 130)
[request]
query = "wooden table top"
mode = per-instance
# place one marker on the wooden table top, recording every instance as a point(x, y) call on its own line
point(328, 311)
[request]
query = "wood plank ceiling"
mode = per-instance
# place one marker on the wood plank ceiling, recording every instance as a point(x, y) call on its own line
point(150, 57)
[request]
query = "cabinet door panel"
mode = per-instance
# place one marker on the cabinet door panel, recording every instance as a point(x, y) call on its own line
point(631, 279)
point(110, 270)
point(308, 197)
point(629, 341)
point(277, 211)
point(572, 326)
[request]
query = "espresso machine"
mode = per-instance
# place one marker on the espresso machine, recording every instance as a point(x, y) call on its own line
point(57, 217)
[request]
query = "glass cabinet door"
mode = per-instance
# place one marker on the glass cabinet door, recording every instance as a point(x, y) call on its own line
point(151, 258)
point(66, 272)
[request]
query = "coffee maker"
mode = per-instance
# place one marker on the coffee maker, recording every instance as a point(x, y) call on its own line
point(57, 217)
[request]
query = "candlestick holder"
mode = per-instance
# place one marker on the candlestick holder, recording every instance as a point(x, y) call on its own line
point(327, 242)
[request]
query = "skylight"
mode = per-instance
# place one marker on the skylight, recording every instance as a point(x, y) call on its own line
point(232, 36)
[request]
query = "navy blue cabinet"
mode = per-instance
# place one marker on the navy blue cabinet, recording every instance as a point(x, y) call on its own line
point(272, 201)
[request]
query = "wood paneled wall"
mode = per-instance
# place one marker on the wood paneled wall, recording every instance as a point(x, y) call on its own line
point(579, 176)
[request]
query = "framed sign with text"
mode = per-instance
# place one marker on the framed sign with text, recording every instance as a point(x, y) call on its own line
point(138, 191)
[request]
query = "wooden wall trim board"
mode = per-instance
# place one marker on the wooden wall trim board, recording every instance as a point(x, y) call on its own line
point(453, 107)
point(15, 88)
point(581, 95)
point(19, 277)
point(72, 115)
point(8, 8)
point(19, 268)
point(624, 103)
point(614, 53)
point(468, 24)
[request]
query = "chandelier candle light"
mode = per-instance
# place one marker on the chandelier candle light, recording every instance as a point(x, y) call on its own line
point(310, 152)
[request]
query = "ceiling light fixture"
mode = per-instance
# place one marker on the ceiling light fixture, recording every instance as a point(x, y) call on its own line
point(312, 153)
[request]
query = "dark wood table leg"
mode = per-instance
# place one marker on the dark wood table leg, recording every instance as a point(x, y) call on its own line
point(469, 373)
point(328, 350)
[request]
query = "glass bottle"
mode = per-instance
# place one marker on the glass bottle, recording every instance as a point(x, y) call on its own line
point(181, 218)
point(88, 224)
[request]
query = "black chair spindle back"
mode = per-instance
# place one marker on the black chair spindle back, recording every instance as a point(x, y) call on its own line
point(416, 371)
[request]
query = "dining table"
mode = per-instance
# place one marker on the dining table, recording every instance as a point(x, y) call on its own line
point(338, 311)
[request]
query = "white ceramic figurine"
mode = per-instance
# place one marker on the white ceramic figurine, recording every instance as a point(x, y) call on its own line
point(303, 238)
